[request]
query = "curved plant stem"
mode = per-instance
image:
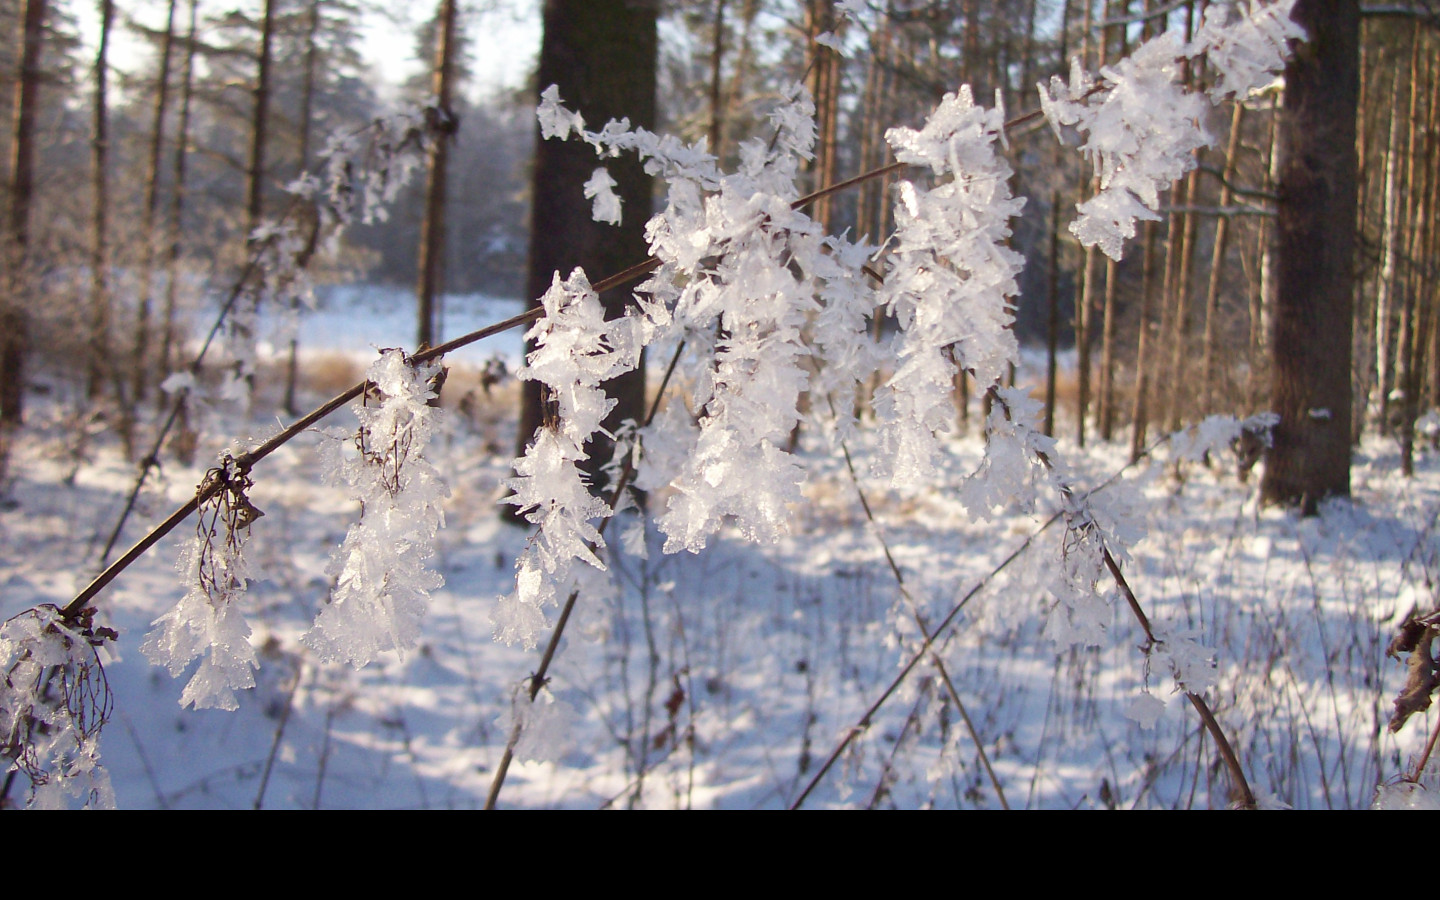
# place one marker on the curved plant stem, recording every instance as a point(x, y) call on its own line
point(922, 625)
point(538, 679)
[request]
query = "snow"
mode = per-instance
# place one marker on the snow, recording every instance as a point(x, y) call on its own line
point(711, 671)
point(769, 652)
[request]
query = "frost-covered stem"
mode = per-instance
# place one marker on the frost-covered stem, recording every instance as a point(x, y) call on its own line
point(1227, 753)
point(1232, 762)
point(247, 461)
point(538, 679)
point(864, 722)
point(920, 621)
point(1424, 759)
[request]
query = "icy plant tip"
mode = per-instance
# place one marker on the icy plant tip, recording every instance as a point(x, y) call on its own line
point(382, 577)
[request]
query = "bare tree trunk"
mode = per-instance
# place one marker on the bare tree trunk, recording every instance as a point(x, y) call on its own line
point(1052, 302)
point(1107, 351)
point(1217, 265)
point(305, 126)
point(1085, 298)
point(1180, 317)
point(1385, 312)
point(717, 110)
point(177, 198)
point(1315, 227)
point(602, 54)
point(255, 175)
point(432, 229)
point(1140, 408)
point(14, 317)
point(100, 313)
point(1409, 344)
point(1116, 35)
point(1262, 299)
point(140, 383)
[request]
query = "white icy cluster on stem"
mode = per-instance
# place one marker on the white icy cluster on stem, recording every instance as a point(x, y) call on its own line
point(1142, 130)
point(1142, 126)
point(1245, 48)
point(949, 280)
point(54, 699)
point(742, 270)
point(742, 274)
point(207, 621)
point(576, 351)
point(382, 580)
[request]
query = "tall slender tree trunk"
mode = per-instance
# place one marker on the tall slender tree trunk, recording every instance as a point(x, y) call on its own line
point(100, 313)
point(1262, 298)
point(14, 317)
point(140, 383)
point(1385, 299)
point(1315, 236)
point(717, 89)
point(304, 127)
point(176, 216)
point(1052, 319)
point(1210, 346)
point(1410, 343)
point(1140, 408)
point(259, 123)
point(432, 229)
point(1180, 317)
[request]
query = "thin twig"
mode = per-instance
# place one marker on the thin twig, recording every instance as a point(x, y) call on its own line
point(538, 679)
point(920, 622)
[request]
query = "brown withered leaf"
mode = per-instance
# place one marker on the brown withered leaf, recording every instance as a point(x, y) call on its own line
point(1420, 682)
point(1406, 635)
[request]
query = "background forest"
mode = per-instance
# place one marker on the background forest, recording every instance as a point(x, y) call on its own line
point(152, 146)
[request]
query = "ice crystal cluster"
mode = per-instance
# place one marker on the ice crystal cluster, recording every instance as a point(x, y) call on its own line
point(949, 280)
point(53, 702)
point(576, 350)
point(208, 623)
point(1143, 126)
point(381, 572)
point(766, 308)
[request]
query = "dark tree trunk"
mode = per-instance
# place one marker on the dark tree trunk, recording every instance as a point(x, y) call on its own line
point(140, 384)
point(602, 54)
point(100, 361)
point(432, 228)
point(177, 198)
point(255, 190)
point(14, 318)
point(1315, 238)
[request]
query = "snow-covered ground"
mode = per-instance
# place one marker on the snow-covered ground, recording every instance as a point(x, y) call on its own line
point(726, 679)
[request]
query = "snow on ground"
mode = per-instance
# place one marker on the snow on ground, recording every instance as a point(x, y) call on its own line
point(726, 679)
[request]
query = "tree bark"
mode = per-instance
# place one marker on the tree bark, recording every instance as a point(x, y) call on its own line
point(1315, 236)
point(140, 383)
point(255, 188)
point(602, 54)
point(432, 228)
point(1210, 345)
point(100, 313)
point(177, 197)
point(14, 318)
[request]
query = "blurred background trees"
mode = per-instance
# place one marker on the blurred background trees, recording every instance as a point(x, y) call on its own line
point(198, 127)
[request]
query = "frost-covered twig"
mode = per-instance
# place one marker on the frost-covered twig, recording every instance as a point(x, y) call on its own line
point(54, 700)
point(925, 632)
point(280, 251)
point(382, 580)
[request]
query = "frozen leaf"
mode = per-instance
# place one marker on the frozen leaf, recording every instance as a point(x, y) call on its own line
point(601, 188)
point(1145, 709)
point(382, 578)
